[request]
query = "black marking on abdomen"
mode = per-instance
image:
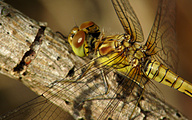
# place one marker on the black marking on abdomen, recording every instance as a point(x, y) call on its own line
point(174, 82)
point(168, 81)
point(164, 75)
point(188, 92)
point(146, 65)
point(180, 85)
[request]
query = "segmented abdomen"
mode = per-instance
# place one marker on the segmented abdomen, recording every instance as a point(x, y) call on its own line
point(158, 72)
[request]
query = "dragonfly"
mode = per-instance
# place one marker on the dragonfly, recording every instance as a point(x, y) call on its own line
point(133, 63)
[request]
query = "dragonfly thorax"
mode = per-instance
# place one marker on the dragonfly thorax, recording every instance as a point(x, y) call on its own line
point(118, 52)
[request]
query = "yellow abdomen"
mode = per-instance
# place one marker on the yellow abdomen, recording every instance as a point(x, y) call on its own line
point(158, 72)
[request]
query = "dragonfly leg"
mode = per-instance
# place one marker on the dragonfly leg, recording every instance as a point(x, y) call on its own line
point(61, 35)
point(105, 82)
point(71, 80)
point(106, 86)
point(130, 117)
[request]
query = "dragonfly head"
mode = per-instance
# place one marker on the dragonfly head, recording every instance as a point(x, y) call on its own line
point(82, 38)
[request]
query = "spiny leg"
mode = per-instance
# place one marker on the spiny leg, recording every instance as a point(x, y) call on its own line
point(106, 85)
point(137, 103)
point(71, 80)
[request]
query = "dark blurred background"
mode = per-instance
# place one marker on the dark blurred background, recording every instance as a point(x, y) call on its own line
point(62, 15)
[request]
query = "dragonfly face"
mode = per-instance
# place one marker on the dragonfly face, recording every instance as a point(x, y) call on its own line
point(82, 38)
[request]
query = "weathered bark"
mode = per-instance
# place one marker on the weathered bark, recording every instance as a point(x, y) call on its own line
point(33, 54)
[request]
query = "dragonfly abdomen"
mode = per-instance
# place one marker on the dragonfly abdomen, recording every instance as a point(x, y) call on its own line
point(160, 73)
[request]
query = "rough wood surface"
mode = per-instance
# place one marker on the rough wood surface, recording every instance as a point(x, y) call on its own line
point(33, 54)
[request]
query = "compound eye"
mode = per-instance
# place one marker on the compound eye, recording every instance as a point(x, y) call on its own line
point(78, 39)
point(72, 34)
point(86, 25)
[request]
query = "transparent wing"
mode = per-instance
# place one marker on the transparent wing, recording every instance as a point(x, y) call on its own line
point(86, 99)
point(72, 94)
point(161, 42)
point(127, 95)
point(128, 19)
point(89, 103)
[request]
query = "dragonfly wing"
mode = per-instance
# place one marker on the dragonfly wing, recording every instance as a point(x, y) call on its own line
point(128, 19)
point(38, 108)
point(85, 98)
point(161, 42)
point(126, 96)
point(130, 100)
point(68, 93)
